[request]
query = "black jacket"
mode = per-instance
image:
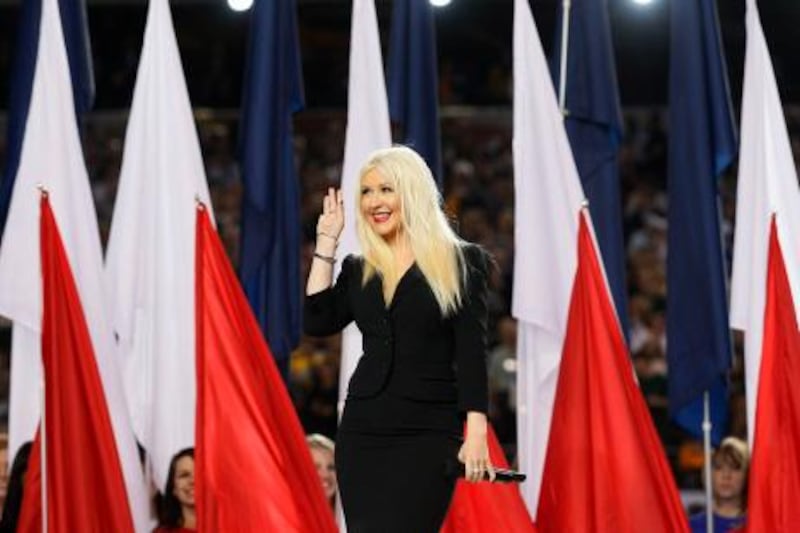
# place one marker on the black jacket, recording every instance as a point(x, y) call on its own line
point(429, 358)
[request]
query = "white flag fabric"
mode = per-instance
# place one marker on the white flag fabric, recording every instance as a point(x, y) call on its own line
point(368, 129)
point(767, 185)
point(52, 156)
point(150, 257)
point(549, 198)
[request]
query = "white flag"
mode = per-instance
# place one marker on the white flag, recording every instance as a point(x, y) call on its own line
point(52, 156)
point(767, 185)
point(368, 129)
point(150, 257)
point(549, 197)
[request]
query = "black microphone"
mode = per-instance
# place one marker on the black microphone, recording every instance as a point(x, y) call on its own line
point(501, 475)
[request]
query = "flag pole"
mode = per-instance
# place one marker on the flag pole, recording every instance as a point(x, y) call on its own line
point(43, 193)
point(43, 456)
point(562, 71)
point(707, 453)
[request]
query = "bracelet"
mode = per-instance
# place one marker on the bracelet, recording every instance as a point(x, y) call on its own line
point(328, 235)
point(328, 259)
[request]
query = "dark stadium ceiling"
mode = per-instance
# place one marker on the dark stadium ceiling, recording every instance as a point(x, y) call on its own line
point(474, 40)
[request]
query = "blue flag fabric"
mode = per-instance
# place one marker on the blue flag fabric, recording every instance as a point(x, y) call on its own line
point(594, 127)
point(270, 246)
point(413, 80)
point(701, 146)
point(76, 37)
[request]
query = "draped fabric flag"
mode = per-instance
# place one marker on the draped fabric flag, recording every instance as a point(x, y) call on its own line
point(81, 496)
point(51, 155)
point(702, 145)
point(270, 261)
point(485, 507)
point(548, 199)
point(254, 470)
point(414, 82)
point(150, 256)
point(764, 301)
point(775, 471)
point(24, 401)
point(605, 468)
point(594, 128)
point(76, 40)
point(558, 400)
point(368, 129)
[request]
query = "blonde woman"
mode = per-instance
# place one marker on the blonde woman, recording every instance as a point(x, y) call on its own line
point(322, 449)
point(418, 294)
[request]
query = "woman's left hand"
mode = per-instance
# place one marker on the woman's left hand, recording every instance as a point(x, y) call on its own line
point(474, 453)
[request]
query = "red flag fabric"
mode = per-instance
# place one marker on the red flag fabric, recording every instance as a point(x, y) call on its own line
point(84, 484)
point(253, 468)
point(775, 468)
point(605, 470)
point(488, 507)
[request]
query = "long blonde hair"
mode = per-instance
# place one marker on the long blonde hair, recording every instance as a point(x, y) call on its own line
point(436, 248)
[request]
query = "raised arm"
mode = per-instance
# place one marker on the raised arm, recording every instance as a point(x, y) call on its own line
point(329, 227)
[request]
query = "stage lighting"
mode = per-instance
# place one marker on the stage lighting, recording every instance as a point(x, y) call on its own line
point(643, 2)
point(439, 3)
point(240, 5)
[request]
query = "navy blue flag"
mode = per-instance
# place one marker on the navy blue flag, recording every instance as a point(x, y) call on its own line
point(702, 144)
point(413, 82)
point(594, 127)
point(270, 247)
point(76, 37)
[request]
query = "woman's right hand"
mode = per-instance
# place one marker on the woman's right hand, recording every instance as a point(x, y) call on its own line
point(331, 221)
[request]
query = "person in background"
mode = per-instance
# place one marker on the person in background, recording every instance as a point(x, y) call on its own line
point(322, 452)
point(16, 488)
point(3, 467)
point(729, 468)
point(176, 511)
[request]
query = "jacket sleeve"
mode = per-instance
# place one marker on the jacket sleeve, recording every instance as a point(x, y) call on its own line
point(471, 343)
point(327, 312)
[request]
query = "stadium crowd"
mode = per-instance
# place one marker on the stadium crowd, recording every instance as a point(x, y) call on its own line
point(479, 195)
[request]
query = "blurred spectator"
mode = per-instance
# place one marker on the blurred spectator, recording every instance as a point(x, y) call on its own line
point(15, 489)
point(729, 471)
point(176, 511)
point(322, 453)
point(3, 468)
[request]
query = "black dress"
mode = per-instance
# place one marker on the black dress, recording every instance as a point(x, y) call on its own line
point(420, 373)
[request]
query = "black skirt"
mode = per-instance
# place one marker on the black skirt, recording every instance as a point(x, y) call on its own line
point(395, 462)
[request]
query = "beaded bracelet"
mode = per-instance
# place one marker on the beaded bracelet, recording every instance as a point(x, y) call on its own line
point(328, 259)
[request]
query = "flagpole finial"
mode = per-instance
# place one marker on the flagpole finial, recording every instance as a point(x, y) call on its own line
point(42, 190)
point(585, 204)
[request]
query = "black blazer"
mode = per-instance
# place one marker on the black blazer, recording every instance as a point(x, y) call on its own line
point(429, 358)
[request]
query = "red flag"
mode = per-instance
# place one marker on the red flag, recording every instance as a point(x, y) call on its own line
point(486, 507)
point(605, 469)
point(775, 468)
point(254, 470)
point(85, 487)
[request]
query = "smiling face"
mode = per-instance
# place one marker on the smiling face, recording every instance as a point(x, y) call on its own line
point(323, 460)
point(184, 481)
point(380, 205)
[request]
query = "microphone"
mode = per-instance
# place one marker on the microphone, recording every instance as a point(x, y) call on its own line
point(501, 475)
